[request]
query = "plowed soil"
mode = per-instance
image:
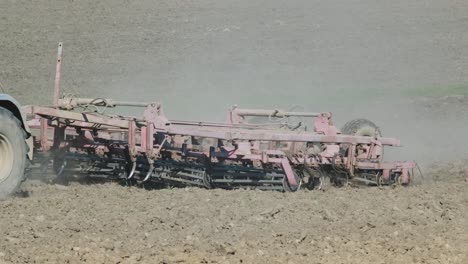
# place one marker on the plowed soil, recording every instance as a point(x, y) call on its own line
point(356, 58)
point(109, 223)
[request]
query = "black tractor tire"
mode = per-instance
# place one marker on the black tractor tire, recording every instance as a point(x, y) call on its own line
point(361, 127)
point(13, 153)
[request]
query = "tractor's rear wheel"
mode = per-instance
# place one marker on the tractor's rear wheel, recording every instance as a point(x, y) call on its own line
point(361, 127)
point(12, 153)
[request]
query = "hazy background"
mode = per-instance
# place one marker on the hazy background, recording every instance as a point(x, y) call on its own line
point(390, 61)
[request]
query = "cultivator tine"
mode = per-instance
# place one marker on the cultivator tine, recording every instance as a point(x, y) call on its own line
point(289, 173)
point(61, 169)
point(132, 171)
point(149, 173)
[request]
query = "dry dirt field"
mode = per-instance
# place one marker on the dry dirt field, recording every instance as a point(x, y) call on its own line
point(113, 224)
point(401, 63)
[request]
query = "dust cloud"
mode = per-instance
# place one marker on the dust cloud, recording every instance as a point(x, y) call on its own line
point(354, 58)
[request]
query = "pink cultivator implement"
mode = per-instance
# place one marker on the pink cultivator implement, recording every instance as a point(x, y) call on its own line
point(272, 154)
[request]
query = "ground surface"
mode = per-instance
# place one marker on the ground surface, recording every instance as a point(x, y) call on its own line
point(110, 223)
point(400, 63)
